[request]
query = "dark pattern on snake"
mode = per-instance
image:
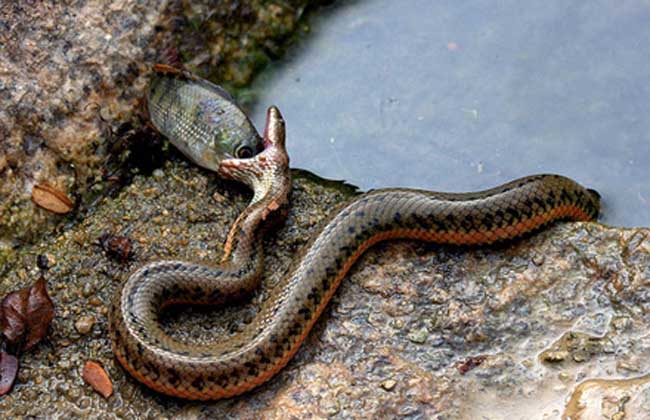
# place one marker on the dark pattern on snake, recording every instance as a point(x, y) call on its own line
point(251, 357)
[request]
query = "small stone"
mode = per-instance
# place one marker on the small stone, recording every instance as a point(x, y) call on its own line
point(389, 384)
point(622, 323)
point(95, 301)
point(158, 173)
point(439, 296)
point(608, 347)
point(628, 366)
point(554, 356)
point(87, 290)
point(538, 259)
point(218, 197)
point(331, 408)
point(84, 324)
point(397, 324)
point(580, 356)
point(418, 336)
point(42, 262)
point(80, 238)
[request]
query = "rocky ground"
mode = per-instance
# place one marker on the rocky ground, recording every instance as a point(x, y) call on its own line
point(552, 324)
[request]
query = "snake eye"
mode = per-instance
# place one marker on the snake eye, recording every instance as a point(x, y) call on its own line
point(244, 152)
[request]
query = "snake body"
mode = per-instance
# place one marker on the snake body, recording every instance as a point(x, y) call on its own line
point(254, 355)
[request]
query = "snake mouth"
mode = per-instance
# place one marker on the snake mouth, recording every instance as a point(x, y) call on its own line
point(274, 130)
point(273, 155)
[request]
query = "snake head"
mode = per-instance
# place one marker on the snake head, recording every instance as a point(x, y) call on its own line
point(274, 132)
point(273, 160)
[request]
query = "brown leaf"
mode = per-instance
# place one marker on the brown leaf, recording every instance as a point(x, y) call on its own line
point(116, 246)
point(40, 312)
point(12, 316)
point(51, 199)
point(25, 315)
point(8, 371)
point(95, 375)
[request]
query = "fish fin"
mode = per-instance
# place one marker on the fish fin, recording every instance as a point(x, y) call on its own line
point(165, 69)
point(217, 89)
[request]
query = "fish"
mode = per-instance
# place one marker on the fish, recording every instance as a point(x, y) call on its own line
point(200, 118)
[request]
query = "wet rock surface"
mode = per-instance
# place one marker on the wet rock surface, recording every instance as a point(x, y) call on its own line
point(72, 76)
point(415, 331)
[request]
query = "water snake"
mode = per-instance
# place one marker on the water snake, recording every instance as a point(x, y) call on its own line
point(254, 355)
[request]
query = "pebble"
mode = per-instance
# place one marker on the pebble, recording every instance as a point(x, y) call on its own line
point(217, 197)
point(628, 366)
point(389, 384)
point(87, 290)
point(95, 301)
point(580, 356)
point(84, 324)
point(397, 324)
point(555, 356)
point(64, 342)
point(621, 323)
point(418, 336)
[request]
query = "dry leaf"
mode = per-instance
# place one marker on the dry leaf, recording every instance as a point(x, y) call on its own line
point(8, 371)
point(51, 199)
point(95, 375)
point(12, 315)
point(25, 315)
point(40, 312)
point(116, 246)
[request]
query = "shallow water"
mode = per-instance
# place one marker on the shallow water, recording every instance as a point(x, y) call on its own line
point(461, 96)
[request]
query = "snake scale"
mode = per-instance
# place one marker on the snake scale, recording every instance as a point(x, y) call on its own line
point(254, 355)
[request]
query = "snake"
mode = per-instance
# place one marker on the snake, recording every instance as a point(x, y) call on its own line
point(232, 366)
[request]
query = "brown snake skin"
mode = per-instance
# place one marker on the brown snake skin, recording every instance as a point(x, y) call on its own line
point(251, 357)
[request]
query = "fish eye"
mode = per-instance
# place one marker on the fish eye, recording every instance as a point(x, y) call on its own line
point(244, 152)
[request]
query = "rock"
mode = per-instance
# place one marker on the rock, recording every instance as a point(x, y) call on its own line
point(593, 277)
point(418, 336)
point(84, 324)
point(73, 76)
point(388, 384)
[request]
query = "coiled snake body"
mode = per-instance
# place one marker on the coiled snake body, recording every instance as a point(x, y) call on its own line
point(251, 357)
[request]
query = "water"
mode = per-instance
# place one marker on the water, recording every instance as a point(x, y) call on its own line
point(462, 96)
